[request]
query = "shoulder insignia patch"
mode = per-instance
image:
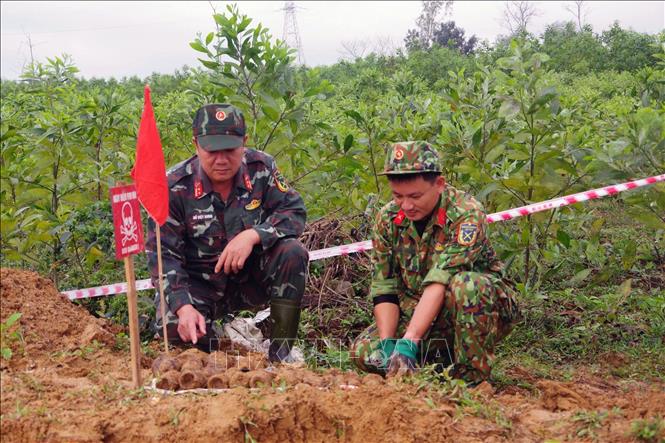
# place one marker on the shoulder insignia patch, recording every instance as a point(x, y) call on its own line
point(253, 205)
point(467, 233)
point(279, 181)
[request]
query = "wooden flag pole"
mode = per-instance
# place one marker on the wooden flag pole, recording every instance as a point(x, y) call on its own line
point(162, 300)
point(133, 321)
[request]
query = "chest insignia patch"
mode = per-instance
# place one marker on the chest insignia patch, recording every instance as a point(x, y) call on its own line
point(253, 205)
point(202, 217)
point(467, 233)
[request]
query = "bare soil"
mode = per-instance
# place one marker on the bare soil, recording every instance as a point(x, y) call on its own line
point(68, 381)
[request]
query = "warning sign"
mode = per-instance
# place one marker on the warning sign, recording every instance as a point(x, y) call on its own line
point(126, 221)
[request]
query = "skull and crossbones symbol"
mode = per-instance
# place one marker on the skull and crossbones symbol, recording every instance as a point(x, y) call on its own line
point(129, 227)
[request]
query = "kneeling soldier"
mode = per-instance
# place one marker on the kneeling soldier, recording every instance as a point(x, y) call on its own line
point(230, 242)
point(436, 282)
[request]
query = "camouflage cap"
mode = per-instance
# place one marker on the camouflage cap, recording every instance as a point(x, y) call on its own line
point(411, 158)
point(219, 126)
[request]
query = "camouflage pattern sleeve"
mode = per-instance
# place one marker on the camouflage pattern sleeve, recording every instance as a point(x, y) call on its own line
point(384, 278)
point(287, 211)
point(176, 287)
point(465, 244)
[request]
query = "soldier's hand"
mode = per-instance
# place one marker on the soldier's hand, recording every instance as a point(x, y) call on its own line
point(403, 360)
point(400, 365)
point(236, 251)
point(191, 324)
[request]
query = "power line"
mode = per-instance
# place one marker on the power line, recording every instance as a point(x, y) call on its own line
point(91, 29)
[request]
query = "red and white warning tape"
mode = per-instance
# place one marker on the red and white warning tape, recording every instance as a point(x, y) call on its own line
point(573, 198)
point(119, 288)
point(99, 291)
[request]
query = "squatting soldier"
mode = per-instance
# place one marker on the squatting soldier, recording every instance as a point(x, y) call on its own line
point(436, 280)
point(231, 239)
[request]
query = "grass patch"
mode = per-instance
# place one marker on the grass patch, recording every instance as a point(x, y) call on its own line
point(648, 430)
point(11, 336)
point(589, 423)
point(613, 328)
point(612, 319)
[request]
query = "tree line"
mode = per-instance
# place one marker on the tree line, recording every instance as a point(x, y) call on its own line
point(524, 120)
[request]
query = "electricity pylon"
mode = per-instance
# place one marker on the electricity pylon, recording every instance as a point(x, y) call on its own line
point(291, 35)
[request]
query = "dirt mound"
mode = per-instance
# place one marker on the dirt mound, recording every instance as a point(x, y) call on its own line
point(49, 322)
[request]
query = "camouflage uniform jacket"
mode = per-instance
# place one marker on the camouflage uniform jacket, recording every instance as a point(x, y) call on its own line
point(454, 240)
point(200, 223)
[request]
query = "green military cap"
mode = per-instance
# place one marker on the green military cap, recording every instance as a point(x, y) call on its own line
point(411, 158)
point(218, 127)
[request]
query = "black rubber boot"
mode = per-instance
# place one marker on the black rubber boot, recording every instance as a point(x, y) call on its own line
point(285, 315)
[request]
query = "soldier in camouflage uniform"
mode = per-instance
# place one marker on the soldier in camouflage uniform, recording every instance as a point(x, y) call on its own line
point(437, 288)
point(231, 239)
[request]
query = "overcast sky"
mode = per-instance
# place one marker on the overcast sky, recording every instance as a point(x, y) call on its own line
point(116, 39)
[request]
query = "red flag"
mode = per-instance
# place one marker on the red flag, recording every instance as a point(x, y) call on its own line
point(149, 171)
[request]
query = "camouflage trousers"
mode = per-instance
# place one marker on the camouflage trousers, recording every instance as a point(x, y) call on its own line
point(479, 310)
point(279, 272)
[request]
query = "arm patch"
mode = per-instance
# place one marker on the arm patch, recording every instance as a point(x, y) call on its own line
point(467, 234)
point(280, 182)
